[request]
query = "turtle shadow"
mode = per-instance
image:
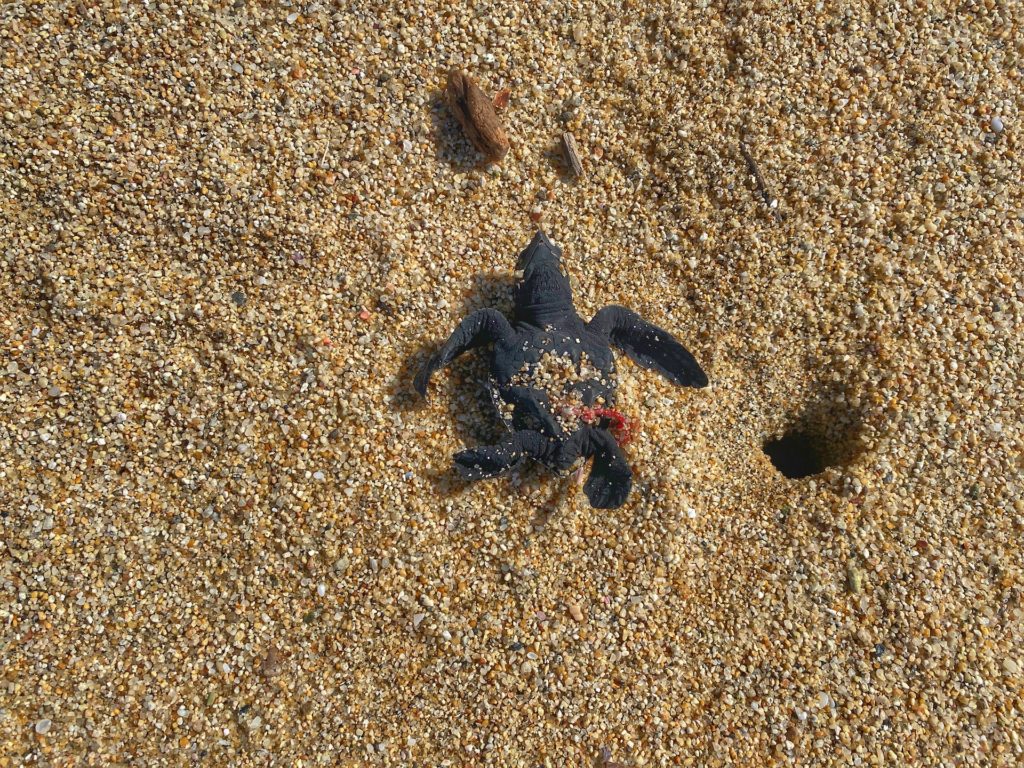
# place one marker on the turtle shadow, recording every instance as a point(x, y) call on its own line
point(450, 145)
point(559, 500)
point(491, 290)
point(404, 396)
point(471, 408)
point(461, 386)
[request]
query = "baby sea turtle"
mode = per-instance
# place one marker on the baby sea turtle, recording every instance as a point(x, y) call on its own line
point(553, 377)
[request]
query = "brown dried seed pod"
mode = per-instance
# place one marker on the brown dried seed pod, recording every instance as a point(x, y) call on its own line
point(476, 115)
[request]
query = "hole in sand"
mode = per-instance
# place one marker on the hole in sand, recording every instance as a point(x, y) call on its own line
point(824, 434)
point(796, 454)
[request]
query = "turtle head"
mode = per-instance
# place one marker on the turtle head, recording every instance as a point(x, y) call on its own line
point(543, 295)
point(540, 251)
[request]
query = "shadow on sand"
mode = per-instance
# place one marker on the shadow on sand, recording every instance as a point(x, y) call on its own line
point(460, 387)
point(451, 145)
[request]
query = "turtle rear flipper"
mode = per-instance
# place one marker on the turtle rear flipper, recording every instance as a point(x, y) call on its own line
point(493, 460)
point(610, 478)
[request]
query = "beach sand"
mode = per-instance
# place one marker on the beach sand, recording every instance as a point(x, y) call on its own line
point(231, 233)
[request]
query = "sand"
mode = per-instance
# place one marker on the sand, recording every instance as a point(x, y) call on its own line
point(232, 232)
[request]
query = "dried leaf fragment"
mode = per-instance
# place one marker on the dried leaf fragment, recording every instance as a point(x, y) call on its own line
point(475, 113)
point(501, 98)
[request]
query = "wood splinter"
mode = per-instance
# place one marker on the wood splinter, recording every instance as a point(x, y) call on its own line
point(769, 199)
point(572, 155)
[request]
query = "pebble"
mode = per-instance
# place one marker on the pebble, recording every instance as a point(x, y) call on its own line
point(854, 578)
point(997, 124)
point(575, 611)
point(42, 727)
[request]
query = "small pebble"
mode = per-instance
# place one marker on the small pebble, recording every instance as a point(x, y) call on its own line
point(997, 124)
point(854, 578)
point(42, 727)
point(575, 611)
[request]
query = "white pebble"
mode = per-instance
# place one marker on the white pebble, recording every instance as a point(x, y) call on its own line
point(997, 125)
point(321, 589)
point(43, 726)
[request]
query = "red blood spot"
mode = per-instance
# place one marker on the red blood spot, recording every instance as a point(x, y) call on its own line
point(620, 427)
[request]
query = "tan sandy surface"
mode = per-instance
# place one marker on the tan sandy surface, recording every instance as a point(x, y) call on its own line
point(228, 535)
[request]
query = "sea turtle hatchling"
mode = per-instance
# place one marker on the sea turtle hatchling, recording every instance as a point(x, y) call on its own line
point(552, 377)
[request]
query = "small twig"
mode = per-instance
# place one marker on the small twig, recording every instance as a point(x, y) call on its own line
point(327, 149)
point(762, 186)
point(572, 155)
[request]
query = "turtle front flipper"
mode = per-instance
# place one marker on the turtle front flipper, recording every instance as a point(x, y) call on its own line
point(648, 345)
point(610, 478)
point(494, 460)
point(485, 326)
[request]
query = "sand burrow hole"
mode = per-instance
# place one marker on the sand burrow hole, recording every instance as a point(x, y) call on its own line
point(824, 434)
